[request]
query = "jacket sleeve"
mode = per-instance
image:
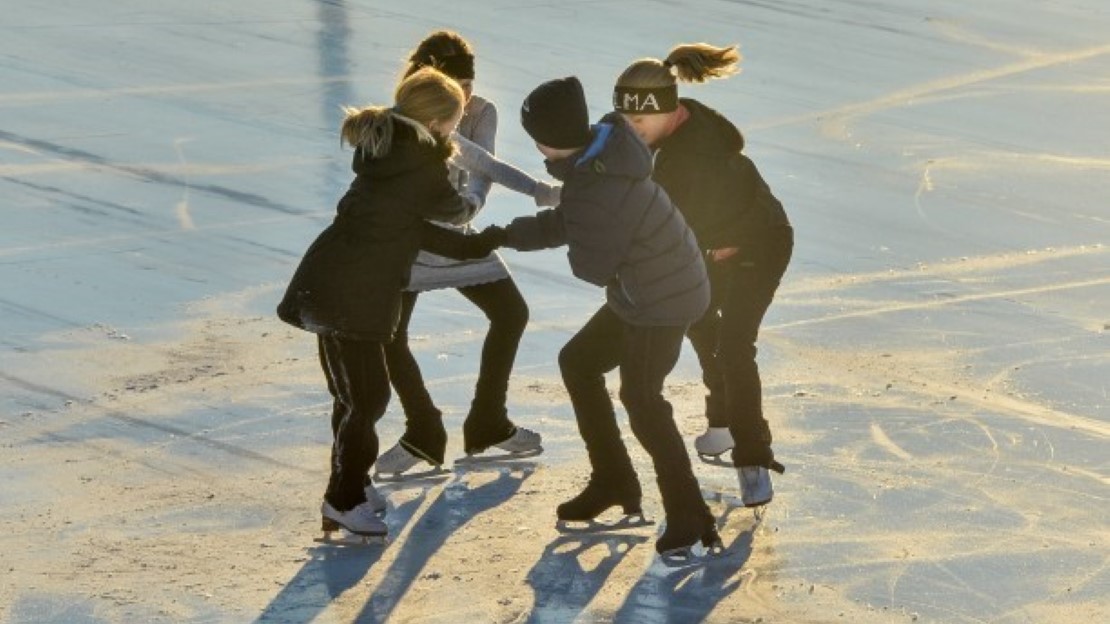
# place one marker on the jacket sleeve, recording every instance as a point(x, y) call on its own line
point(543, 230)
point(450, 243)
point(444, 203)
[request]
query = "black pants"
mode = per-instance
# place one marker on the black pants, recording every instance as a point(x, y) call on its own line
point(724, 340)
point(359, 384)
point(645, 355)
point(488, 421)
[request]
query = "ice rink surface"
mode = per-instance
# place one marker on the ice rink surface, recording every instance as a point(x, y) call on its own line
point(935, 365)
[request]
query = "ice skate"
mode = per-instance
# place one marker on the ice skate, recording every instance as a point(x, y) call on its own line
point(579, 514)
point(373, 498)
point(676, 547)
point(522, 444)
point(361, 521)
point(755, 485)
point(398, 462)
point(711, 445)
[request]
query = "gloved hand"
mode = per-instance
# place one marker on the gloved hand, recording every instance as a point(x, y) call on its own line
point(547, 194)
point(488, 240)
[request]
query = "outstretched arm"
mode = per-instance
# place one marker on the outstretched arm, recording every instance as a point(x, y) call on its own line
point(483, 165)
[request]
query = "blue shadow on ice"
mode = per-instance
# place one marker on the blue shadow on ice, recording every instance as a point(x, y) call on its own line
point(689, 594)
point(562, 586)
point(457, 505)
point(330, 571)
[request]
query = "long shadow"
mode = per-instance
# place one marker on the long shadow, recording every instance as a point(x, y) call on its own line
point(332, 570)
point(456, 506)
point(690, 593)
point(562, 586)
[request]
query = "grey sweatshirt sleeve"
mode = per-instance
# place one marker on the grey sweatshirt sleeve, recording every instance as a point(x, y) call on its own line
point(483, 133)
point(485, 168)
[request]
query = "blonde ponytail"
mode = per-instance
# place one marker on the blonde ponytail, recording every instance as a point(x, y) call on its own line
point(698, 62)
point(693, 62)
point(424, 97)
point(368, 128)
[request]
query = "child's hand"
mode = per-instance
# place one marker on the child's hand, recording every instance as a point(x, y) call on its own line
point(489, 239)
point(547, 194)
point(723, 253)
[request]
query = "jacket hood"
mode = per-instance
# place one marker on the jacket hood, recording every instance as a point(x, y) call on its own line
point(613, 150)
point(412, 147)
point(705, 131)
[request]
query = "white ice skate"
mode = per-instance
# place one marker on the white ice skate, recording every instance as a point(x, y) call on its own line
point(376, 500)
point(522, 444)
point(711, 445)
point(397, 464)
point(755, 485)
point(361, 521)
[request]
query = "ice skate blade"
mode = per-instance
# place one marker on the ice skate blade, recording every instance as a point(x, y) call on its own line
point(585, 527)
point(434, 472)
point(338, 538)
point(499, 457)
point(716, 460)
point(686, 556)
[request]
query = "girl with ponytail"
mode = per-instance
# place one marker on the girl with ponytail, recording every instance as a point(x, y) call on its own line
point(347, 288)
point(484, 281)
point(741, 227)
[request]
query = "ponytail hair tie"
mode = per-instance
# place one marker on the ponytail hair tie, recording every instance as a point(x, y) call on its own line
point(668, 64)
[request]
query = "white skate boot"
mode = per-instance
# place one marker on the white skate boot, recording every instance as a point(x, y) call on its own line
point(375, 498)
point(755, 485)
point(522, 444)
point(397, 463)
point(716, 441)
point(360, 520)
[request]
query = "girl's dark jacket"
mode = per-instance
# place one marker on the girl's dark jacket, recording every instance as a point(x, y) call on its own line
point(349, 282)
point(717, 188)
point(621, 230)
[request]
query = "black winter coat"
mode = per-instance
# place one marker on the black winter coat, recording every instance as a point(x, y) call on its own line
point(717, 188)
point(350, 280)
point(622, 231)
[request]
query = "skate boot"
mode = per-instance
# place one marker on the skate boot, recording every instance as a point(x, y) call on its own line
point(579, 513)
point(716, 441)
point(373, 498)
point(359, 520)
point(522, 443)
point(755, 485)
point(398, 463)
point(683, 531)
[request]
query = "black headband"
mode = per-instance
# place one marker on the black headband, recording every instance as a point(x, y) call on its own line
point(457, 66)
point(645, 100)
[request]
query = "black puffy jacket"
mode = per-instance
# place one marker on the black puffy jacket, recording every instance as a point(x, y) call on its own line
point(349, 282)
point(717, 188)
point(621, 230)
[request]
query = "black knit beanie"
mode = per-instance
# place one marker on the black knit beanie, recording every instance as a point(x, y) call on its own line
point(554, 114)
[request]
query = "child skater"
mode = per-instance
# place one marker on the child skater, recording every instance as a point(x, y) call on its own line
point(485, 282)
point(347, 289)
point(743, 231)
point(623, 234)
